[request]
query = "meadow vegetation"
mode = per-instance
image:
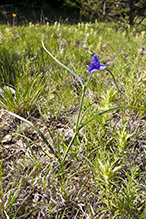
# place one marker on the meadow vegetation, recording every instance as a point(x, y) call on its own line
point(72, 142)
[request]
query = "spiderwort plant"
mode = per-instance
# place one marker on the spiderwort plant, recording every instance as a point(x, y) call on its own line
point(80, 123)
point(95, 65)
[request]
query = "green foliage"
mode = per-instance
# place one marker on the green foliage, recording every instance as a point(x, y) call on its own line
point(88, 140)
point(126, 11)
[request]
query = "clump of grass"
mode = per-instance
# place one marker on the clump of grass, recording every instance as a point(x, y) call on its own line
point(26, 89)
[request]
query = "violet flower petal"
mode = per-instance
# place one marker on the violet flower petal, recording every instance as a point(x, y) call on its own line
point(92, 68)
point(96, 65)
point(102, 66)
point(95, 59)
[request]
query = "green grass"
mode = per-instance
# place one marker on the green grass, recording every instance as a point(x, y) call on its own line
point(78, 143)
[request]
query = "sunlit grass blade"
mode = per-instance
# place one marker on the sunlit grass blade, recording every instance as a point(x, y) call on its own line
point(107, 111)
point(74, 74)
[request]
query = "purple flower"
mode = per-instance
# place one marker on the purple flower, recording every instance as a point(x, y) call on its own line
point(96, 65)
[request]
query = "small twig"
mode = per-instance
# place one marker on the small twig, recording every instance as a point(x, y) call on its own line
point(141, 21)
point(123, 19)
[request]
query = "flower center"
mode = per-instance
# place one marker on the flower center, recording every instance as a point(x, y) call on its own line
point(96, 64)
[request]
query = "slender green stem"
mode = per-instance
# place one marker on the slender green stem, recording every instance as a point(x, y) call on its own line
point(80, 109)
point(81, 104)
point(89, 79)
point(69, 146)
point(84, 114)
point(113, 79)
